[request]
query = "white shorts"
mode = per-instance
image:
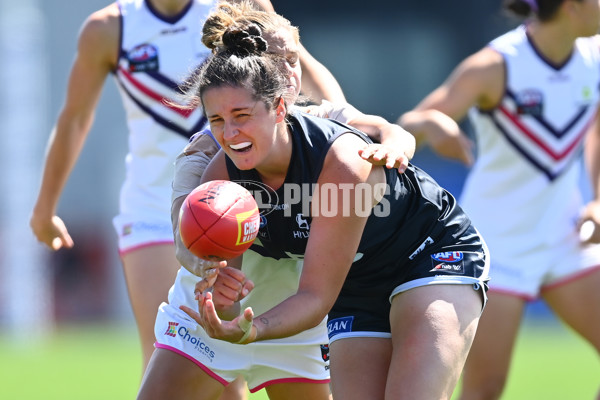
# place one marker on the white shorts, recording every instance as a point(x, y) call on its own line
point(300, 358)
point(134, 232)
point(526, 275)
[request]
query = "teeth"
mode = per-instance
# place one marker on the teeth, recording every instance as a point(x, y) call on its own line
point(239, 146)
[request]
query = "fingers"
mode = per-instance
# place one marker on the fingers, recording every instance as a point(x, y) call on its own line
point(378, 154)
point(247, 288)
point(53, 233)
point(230, 287)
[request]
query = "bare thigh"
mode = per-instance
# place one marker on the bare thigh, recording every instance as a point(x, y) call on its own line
point(149, 272)
point(488, 362)
point(298, 391)
point(359, 367)
point(577, 303)
point(171, 376)
point(432, 331)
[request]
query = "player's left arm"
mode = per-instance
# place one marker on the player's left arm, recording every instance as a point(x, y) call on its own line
point(318, 83)
point(189, 168)
point(592, 160)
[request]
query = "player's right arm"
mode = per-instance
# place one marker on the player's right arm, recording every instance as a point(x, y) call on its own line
point(477, 81)
point(96, 56)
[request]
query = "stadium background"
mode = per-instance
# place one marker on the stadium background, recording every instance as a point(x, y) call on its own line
point(386, 56)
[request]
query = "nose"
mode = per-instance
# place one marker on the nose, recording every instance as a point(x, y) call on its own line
point(230, 131)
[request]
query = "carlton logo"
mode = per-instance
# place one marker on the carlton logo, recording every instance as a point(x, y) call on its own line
point(448, 256)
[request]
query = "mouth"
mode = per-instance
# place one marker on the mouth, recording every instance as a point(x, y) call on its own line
point(241, 147)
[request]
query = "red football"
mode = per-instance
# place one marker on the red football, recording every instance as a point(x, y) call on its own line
point(219, 220)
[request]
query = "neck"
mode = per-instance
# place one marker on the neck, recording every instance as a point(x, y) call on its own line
point(169, 7)
point(552, 39)
point(274, 171)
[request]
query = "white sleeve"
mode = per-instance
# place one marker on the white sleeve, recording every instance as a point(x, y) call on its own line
point(341, 112)
point(191, 163)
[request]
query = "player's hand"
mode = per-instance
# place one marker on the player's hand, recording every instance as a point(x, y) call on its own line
point(230, 287)
point(52, 232)
point(379, 154)
point(589, 223)
point(240, 330)
point(207, 270)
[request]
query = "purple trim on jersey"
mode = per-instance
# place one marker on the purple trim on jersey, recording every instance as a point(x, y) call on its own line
point(558, 133)
point(209, 133)
point(549, 174)
point(550, 63)
point(164, 80)
point(172, 19)
point(165, 122)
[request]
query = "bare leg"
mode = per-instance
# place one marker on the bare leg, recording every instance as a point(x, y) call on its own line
point(432, 331)
point(488, 362)
point(298, 391)
point(577, 303)
point(150, 272)
point(171, 376)
point(359, 367)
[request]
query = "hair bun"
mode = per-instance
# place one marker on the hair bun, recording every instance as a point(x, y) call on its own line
point(245, 41)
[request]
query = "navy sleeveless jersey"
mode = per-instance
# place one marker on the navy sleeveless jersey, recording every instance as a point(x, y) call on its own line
point(414, 207)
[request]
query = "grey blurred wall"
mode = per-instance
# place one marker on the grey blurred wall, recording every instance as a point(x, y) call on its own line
point(386, 55)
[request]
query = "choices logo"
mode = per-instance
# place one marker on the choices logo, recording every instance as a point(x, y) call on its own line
point(199, 345)
point(171, 330)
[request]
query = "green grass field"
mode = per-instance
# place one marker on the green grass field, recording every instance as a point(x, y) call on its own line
point(95, 362)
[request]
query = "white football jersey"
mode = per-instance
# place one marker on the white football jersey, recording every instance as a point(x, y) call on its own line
point(523, 191)
point(156, 56)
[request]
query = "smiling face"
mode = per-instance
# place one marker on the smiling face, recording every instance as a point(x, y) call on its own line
point(248, 131)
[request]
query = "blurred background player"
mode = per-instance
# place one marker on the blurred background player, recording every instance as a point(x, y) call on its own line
point(532, 97)
point(151, 47)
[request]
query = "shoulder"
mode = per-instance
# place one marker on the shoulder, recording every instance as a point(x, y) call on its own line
point(202, 142)
point(485, 64)
point(101, 30)
point(102, 24)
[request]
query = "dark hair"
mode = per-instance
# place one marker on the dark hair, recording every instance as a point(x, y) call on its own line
point(243, 61)
point(227, 14)
point(544, 9)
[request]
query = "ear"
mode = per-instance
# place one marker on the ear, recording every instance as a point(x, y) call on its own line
point(280, 110)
